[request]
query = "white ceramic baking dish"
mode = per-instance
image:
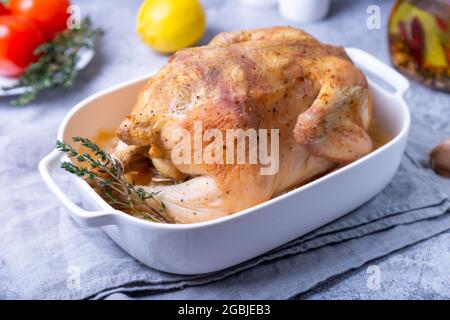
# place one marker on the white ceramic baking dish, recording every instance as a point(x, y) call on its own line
point(224, 242)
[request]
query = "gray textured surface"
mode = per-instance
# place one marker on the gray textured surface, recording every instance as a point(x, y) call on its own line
point(419, 272)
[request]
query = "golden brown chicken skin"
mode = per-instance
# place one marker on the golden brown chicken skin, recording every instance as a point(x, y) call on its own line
point(276, 78)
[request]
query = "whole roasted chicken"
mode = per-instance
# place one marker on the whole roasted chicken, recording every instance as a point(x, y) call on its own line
point(276, 78)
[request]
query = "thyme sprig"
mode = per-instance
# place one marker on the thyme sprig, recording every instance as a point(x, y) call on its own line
point(106, 174)
point(57, 65)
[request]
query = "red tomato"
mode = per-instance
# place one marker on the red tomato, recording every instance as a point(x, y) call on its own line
point(49, 15)
point(3, 9)
point(19, 38)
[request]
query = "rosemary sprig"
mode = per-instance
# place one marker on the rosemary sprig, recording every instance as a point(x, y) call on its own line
point(56, 66)
point(106, 174)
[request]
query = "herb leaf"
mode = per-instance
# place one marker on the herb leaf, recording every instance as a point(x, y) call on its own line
point(105, 174)
point(56, 66)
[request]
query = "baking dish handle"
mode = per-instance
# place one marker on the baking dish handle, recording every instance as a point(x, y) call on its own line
point(88, 218)
point(380, 69)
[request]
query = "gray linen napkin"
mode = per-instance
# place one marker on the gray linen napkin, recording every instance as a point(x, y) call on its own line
point(42, 249)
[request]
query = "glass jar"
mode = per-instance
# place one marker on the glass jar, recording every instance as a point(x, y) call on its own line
point(419, 41)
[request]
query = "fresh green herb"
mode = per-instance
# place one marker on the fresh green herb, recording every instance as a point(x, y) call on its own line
point(56, 66)
point(106, 174)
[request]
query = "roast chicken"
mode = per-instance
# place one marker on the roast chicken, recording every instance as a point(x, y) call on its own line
point(275, 78)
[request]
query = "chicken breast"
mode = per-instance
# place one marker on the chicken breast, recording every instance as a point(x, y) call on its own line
point(276, 78)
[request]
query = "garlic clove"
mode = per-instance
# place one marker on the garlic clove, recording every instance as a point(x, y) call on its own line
point(440, 158)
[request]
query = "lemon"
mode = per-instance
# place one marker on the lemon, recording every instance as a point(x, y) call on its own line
point(170, 25)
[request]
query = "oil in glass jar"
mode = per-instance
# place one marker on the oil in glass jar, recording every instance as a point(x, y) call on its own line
point(419, 41)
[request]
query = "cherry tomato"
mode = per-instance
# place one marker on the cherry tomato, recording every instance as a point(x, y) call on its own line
point(49, 15)
point(19, 38)
point(3, 9)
